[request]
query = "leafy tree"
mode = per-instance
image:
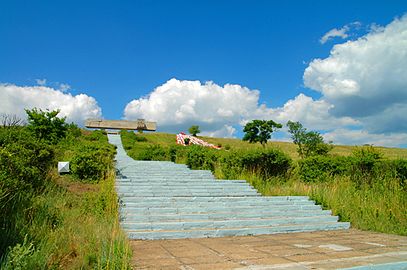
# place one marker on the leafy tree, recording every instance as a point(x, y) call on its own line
point(259, 131)
point(194, 130)
point(46, 125)
point(310, 143)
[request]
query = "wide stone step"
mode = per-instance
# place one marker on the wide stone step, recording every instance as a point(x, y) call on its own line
point(214, 209)
point(203, 233)
point(127, 182)
point(222, 216)
point(221, 224)
point(189, 199)
point(181, 204)
point(192, 193)
point(181, 184)
point(187, 188)
point(160, 171)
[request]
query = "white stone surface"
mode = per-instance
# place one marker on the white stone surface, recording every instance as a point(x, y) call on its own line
point(63, 167)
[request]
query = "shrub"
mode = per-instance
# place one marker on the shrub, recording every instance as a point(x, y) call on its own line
point(153, 152)
point(265, 163)
point(177, 153)
point(319, 168)
point(45, 125)
point(139, 138)
point(199, 157)
point(92, 162)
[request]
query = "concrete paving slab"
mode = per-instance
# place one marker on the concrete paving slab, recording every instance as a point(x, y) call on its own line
point(312, 250)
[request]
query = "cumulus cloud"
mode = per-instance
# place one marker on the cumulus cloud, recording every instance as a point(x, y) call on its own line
point(341, 32)
point(176, 105)
point(310, 112)
point(363, 87)
point(218, 110)
point(14, 99)
point(366, 79)
point(361, 137)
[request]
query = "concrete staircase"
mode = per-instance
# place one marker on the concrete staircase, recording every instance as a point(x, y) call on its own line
point(164, 200)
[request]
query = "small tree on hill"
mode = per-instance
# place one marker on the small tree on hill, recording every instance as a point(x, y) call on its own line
point(194, 130)
point(46, 125)
point(259, 131)
point(310, 143)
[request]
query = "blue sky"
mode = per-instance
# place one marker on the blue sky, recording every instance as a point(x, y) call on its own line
point(119, 51)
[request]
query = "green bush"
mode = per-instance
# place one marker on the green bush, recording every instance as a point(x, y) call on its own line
point(96, 135)
point(24, 164)
point(45, 125)
point(177, 153)
point(153, 152)
point(139, 138)
point(265, 163)
point(92, 162)
point(319, 168)
point(199, 157)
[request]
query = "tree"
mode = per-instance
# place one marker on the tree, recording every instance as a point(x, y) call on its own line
point(46, 125)
point(259, 131)
point(193, 130)
point(310, 143)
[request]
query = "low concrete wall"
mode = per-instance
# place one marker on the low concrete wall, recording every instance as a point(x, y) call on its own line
point(121, 124)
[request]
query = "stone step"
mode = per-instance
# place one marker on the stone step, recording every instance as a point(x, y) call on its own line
point(190, 193)
point(166, 175)
point(130, 181)
point(211, 204)
point(191, 209)
point(204, 233)
point(189, 199)
point(222, 216)
point(175, 185)
point(220, 224)
point(186, 188)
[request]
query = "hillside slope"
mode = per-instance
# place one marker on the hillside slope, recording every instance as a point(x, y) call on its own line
point(167, 139)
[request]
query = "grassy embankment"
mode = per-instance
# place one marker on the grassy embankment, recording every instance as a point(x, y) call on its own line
point(374, 199)
point(51, 221)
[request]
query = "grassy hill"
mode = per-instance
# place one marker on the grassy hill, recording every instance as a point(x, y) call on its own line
point(166, 139)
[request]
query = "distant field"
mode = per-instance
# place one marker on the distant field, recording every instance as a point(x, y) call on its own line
point(166, 139)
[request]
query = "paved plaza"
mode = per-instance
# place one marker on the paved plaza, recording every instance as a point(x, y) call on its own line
point(308, 250)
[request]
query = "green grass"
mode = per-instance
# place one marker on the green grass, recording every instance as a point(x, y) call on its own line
point(69, 223)
point(166, 139)
point(380, 206)
point(85, 233)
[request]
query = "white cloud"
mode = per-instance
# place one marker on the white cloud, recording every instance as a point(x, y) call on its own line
point(366, 80)
point(14, 99)
point(310, 112)
point(225, 132)
point(360, 137)
point(363, 86)
point(334, 33)
point(176, 105)
point(342, 32)
point(41, 82)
